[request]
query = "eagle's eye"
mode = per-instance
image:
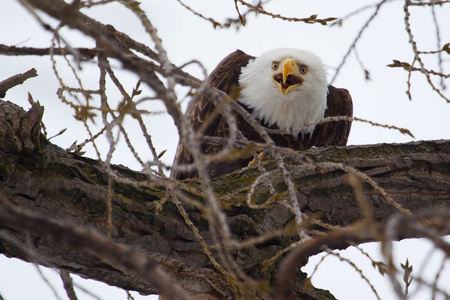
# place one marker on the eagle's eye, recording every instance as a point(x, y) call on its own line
point(303, 69)
point(275, 65)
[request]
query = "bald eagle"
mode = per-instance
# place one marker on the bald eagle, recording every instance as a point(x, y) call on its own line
point(283, 89)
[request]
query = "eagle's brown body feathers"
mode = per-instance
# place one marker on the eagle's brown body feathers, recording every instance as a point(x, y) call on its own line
point(226, 78)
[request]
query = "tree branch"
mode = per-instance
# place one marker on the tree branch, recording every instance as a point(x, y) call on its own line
point(126, 259)
point(11, 82)
point(63, 188)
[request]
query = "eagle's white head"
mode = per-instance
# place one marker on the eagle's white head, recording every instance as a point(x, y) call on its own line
point(285, 87)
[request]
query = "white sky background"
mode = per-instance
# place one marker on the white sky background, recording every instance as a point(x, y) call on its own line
point(187, 37)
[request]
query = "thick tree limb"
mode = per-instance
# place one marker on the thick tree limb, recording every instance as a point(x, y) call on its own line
point(38, 177)
point(78, 238)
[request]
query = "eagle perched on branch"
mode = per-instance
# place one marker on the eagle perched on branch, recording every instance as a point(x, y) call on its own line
point(283, 89)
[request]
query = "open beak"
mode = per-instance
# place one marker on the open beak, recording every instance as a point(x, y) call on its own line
point(289, 77)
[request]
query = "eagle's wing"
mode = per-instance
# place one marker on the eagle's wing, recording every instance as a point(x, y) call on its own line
point(339, 103)
point(225, 77)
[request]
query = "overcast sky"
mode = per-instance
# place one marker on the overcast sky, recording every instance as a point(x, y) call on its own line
point(186, 37)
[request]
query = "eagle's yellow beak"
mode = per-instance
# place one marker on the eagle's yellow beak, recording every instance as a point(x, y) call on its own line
point(289, 77)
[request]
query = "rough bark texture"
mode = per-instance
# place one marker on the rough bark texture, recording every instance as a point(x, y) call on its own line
point(49, 182)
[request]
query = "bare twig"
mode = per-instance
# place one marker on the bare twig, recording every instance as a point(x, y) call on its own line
point(358, 36)
point(47, 282)
point(11, 82)
point(68, 285)
point(310, 20)
point(415, 49)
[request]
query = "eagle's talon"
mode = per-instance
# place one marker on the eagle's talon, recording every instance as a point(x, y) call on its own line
point(263, 156)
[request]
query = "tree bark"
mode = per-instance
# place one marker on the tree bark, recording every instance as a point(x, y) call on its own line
point(43, 183)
